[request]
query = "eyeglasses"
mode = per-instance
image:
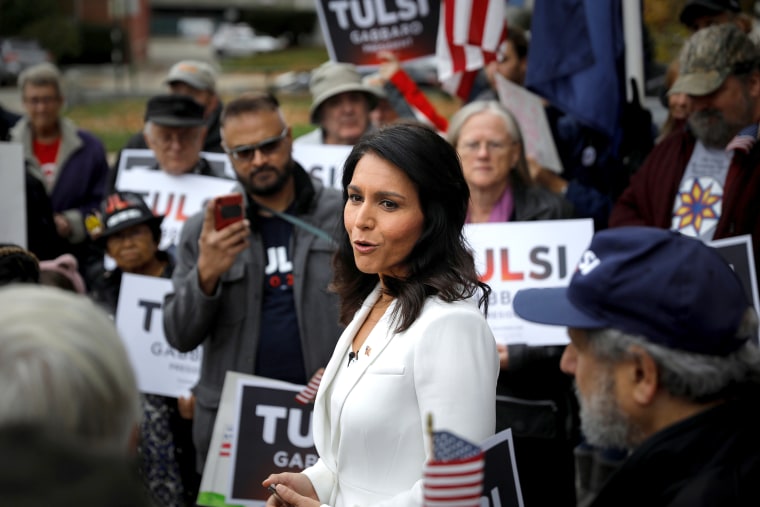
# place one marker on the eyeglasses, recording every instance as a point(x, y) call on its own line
point(133, 233)
point(491, 146)
point(183, 136)
point(44, 100)
point(247, 152)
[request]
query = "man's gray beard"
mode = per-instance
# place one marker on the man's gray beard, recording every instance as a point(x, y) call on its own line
point(713, 134)
point(603, 423)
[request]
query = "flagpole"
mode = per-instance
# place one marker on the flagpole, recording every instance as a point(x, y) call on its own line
point(634, 46)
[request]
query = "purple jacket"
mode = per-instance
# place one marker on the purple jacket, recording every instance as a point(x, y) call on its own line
point(80, 185)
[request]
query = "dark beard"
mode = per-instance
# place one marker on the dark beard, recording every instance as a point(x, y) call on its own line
point(710, 127)
point(273, 188)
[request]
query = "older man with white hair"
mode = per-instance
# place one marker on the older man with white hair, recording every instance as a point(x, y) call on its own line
point(663, 347)
point(64, 368)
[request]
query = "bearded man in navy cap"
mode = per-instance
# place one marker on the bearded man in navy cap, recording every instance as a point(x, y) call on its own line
point(663, 350)
point(698, 14)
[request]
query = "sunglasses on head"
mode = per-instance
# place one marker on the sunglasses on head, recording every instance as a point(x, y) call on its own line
point(246, 152)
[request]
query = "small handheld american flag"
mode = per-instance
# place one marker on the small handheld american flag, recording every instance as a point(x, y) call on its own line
point(453, 477)
point(309, 393)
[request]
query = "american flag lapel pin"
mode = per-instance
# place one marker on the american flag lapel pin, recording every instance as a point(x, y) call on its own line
point(367, 350)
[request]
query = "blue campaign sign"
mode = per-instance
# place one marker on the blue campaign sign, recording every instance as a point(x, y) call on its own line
point(274, 435)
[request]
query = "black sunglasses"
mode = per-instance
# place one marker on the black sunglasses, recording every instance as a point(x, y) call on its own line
point(266, 147)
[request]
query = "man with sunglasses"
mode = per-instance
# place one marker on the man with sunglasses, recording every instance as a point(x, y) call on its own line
point(254, 293)
point(705, 181)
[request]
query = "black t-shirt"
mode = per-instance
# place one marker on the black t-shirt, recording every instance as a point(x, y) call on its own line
point(279, 354)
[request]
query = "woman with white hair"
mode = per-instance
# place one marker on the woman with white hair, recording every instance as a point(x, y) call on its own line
point(63, 367)
point(490, 144)
point(533, 397)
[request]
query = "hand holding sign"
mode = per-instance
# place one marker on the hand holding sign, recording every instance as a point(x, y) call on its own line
point(219, 249)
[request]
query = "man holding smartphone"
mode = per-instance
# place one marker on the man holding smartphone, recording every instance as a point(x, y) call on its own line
point(254, 292)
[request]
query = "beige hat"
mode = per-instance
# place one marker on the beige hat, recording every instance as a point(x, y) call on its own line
point(333, 78)
point(375, 81)
point(710, 56)
point(195, 73)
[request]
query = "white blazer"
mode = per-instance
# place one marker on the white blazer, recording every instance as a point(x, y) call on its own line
point(369, 423)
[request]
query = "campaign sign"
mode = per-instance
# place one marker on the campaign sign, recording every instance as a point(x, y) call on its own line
point(501, 484)
point(175, 197)
point(159, 368)
point(738, 253)
point(530, 113)
point(216, 472)
point(274, 435)
point(131, 158)
point(355, 31)
point(516, 255)
point(324, 162)
point(12, 194)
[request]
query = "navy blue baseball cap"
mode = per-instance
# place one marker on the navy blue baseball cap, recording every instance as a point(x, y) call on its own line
point(697, 8)
point(174, 111)
point(672, 289)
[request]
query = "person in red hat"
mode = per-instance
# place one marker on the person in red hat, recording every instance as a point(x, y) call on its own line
point(130, 233)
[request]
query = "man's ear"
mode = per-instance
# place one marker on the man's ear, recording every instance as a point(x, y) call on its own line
point(645, 376)
point(754, 84)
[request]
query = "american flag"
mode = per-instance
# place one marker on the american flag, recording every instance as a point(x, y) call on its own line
point(744, 140)
point(309, 393)
point(454, 476)
point(469, 34)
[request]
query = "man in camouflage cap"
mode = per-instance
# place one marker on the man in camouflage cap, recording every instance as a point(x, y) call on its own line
point(704, 180)
point(719, 64)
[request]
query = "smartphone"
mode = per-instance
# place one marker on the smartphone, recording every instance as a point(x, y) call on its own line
point(272, 490)
point(228, 209)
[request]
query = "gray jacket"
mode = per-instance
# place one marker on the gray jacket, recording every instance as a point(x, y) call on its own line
point(227, 323)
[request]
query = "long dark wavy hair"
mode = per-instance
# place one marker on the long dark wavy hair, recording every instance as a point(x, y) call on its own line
point(441, 262)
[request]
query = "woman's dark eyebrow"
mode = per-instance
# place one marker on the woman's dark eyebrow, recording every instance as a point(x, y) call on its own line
point(395, 195)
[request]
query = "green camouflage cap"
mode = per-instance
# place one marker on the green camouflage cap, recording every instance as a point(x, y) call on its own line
point(710, 56)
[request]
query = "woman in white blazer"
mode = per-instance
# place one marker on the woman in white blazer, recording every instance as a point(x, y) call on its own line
point(416, 342)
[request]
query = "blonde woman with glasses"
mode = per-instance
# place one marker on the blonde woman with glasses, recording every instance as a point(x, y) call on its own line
point(533, 397)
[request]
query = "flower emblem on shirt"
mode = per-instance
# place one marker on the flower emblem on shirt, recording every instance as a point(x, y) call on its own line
point(696, 204)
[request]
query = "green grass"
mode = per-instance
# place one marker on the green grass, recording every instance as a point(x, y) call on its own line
point(297, 58)
point(113, 121)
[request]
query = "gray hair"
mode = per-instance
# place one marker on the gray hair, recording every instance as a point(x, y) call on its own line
point(695, 377)
point(510, 122)
point(42, 74)
point(62, 365)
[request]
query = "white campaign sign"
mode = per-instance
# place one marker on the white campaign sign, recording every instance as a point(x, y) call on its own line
point(324, 162)
point(160, 369)
point(12, 194)
point(133, 158)
point(515, 255)
point(175, 197)
point(531, 115)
